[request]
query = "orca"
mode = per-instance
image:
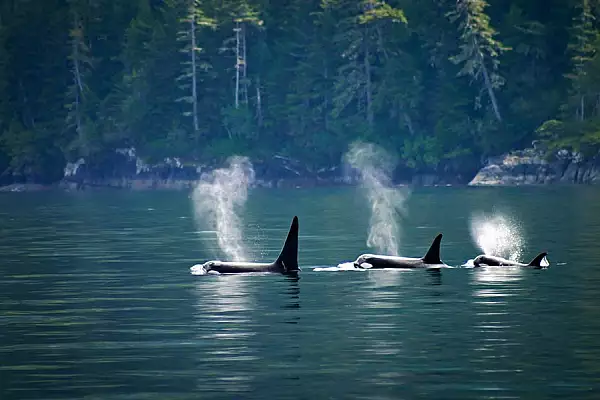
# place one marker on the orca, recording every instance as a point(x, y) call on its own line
point(499, 261)
point(286, 263)
point(430, 260)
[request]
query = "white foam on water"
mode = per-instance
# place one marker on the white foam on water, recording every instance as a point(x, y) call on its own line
point(198, 269)
point(347, 266)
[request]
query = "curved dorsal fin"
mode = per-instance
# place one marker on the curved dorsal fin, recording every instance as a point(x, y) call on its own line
point(537, 261)
point(433, 254)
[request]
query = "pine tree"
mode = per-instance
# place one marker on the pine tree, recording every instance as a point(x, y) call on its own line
point(4, 76)
point(581, 50)
point(5, 102)
point(153, 64)
point(194, 18)
point(81, 65)
point(360, 39)
point(239, 17)
point(479, 50)
point(304, 59)
point(296, 77)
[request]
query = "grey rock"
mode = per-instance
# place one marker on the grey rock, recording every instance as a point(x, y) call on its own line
point(528, 167)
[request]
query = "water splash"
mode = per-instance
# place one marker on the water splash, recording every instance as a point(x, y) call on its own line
point(347, 266)
point(387, 203)
point(497, 235)
point(217, 199)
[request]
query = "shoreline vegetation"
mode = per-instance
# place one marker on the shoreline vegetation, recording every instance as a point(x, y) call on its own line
point(149, 94)
point(527, 167)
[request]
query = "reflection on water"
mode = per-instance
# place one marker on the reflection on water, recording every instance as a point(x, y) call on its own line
point(292, 296)
point(381, 299)
point(236, 331)
point(497, 350)
point(435, 276)
point(96, 301)
point(224, 319)
point(498, 274)
point(385, 278)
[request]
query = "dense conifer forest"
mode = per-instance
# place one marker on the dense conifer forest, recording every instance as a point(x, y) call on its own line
point(442, 83)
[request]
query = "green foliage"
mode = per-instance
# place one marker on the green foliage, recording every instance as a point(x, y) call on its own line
point(203, 79)
point(31, 153)
point(578, 126)
point(379, 11)
point(238, 122)
point(582, 137)
point(479, 50)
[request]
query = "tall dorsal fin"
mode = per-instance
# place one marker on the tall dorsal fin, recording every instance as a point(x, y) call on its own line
point(537, 261)
point(433, 254)
point(288, 258)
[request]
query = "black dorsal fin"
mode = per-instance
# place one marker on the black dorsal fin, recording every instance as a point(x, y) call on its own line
point(288, 258)
point(433, 254)
point(537, 261)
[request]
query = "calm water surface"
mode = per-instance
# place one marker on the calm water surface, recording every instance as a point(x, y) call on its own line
point(97, 302)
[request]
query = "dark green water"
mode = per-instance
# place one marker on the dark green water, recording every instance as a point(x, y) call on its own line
point(97, 302)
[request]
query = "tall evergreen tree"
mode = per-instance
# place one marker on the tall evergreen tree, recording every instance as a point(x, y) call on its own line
point(358, 38)
point(581, 50)
point(194, 19)
point(208, 78)
point(80, 64)
point(479, 50)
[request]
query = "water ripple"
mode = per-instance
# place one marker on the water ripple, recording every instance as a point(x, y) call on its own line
point(96, 302)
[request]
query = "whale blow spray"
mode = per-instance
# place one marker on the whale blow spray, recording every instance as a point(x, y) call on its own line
point(218, 197)
point(496, 235)
point(374, 166)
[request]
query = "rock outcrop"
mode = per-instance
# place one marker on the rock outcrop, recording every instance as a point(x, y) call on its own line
point(24, 187)
point(530, 167)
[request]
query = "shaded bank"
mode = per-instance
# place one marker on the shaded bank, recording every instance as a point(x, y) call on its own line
point(123, 169)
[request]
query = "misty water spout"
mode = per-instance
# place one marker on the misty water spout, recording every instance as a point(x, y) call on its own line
point(496, 235)
point(219, 197)
point(375, 166)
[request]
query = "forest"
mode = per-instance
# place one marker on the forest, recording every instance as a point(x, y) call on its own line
point(441, 83)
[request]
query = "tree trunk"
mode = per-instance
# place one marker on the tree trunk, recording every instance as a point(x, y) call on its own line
point(490, 89)
point(407, 119)
point(368, 83)
point(326, 99)
point(77, 80)
point(380, 43)
point(27, 115)
point(409, 124)
point(237, 65)
point(259, 116)
point(194, 88)
point(244, 65)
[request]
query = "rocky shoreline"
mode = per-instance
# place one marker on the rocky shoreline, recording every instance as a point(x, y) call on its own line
point(530, 167)
point(126, 171)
